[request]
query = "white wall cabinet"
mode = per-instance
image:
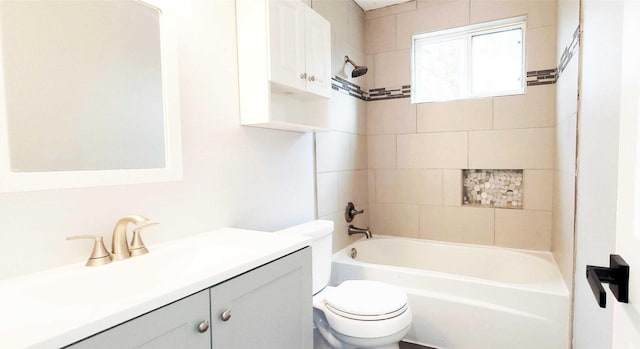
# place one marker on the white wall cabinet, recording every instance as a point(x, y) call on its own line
point(268, 307)
point(284, 63)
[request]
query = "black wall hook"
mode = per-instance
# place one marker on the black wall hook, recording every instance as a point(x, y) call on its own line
point(617, 276)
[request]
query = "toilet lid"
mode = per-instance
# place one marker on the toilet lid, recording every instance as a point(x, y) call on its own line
point(367, 298)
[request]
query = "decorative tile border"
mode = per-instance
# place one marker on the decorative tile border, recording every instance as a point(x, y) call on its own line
point(534, 78)
point(344, 86)
point(341, 85)
point(569, 51)
point(493, 188)
point(542, 77)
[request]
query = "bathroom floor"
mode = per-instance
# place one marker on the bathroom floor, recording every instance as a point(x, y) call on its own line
point(405, 345)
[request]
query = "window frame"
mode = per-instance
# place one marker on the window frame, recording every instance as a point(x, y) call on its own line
point(468, 32)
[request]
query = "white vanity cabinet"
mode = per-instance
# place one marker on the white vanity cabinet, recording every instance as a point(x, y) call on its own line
point(269, 307)
point(284, 64)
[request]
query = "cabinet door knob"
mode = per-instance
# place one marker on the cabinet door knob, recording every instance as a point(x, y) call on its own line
point(303, 76)
point(312, 78)
point(226, 315)
point(203, 326)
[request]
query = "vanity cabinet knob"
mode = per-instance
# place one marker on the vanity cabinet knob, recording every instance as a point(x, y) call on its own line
point(312, 78)
point(99, 255)
point(226, 315)
point(203, 326)
point(303, 76)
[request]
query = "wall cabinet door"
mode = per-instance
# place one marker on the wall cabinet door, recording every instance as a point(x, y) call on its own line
point(318, 54)
point(300, 47)
point(172, 326)
point(287, 43)
point(269, 307)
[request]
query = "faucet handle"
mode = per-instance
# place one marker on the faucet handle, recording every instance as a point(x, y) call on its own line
point(137, 247)
point(99, 255)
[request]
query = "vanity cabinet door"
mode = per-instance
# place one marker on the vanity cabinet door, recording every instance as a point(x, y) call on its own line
point(172, 326)
point(269, 307)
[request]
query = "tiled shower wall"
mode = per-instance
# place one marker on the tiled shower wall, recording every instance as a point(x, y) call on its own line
point(564, 174)
point(416, 152)
point(341, 154)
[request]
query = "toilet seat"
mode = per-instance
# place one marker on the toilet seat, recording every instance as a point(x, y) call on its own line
point(366, 300)
point(364, 309)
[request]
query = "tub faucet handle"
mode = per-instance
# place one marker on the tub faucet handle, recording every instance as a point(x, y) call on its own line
point(350, 212)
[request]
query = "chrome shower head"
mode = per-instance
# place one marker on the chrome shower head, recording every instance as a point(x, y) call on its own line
point(358, 70)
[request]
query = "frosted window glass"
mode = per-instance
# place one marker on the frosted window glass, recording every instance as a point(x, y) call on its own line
point(496, 62)
point(440, 69)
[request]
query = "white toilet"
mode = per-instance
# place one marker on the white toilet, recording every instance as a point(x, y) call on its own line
point(356, 313)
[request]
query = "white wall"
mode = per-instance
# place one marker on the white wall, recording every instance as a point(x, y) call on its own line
point(598, 125)
point(233, 176)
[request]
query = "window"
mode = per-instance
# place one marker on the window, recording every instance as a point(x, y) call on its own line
point(470, 62)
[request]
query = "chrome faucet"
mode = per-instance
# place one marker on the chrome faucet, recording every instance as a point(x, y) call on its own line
point(355, 230)
point(119, 243)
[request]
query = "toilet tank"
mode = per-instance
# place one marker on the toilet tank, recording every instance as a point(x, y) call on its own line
point(321, 232)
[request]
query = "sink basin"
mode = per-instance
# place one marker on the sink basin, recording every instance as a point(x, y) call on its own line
point(74, 302)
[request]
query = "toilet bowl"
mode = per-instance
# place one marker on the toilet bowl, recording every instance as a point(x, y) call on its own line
point(356, 313)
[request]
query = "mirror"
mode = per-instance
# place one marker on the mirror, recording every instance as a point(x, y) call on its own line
point(89, 94)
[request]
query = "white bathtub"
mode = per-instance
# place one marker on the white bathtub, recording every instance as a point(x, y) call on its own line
point(467, 296)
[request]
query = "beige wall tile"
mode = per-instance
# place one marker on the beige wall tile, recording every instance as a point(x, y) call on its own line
point(381, 151)
point(541, 48)
point(542, 13)
point(440, 15)
point(563, 224)
point(391, 10)
point(567, 91)
point(327, 193)
point(394, 69)
point(433, 150)
point(511, 149)
point(380, 34)
point(391, 116)
point(355, 26)
point(340, 105)
point(538, 190)
point(409, 186)
point(428, 3)
point(523, 229)
point(536, 108)
point(394, 219)
point(483, 10)
point(352, 187)
point(457, 224)
point(332, 151)
point(452, 187)
point(473, 114)
point(565, 154)
point(358, 146)
point(372, 185)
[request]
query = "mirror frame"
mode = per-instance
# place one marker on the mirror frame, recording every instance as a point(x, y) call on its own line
point(30, 181)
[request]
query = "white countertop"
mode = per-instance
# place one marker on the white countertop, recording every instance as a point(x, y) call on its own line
point(58, 307)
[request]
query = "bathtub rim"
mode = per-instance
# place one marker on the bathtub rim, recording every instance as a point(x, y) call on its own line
point(555, 286)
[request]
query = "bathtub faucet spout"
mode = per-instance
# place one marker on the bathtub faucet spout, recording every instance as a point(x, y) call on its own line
point(355, 230)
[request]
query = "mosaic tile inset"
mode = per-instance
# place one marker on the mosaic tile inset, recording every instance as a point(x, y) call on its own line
point(493, 188)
